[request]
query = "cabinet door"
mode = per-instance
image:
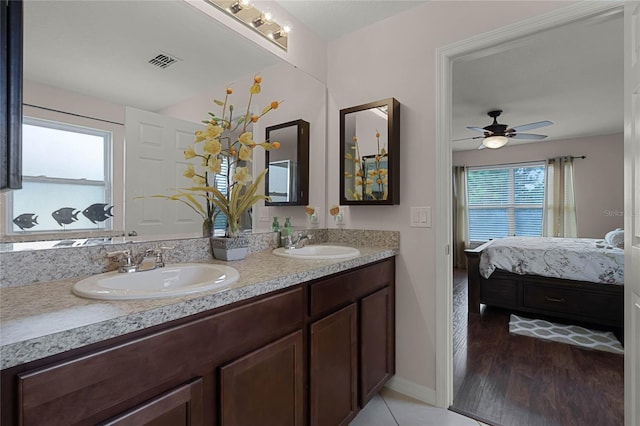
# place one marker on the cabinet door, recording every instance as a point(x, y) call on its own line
point(334, 354)
point(266, 386)
point(377, 342)
point(181, 406)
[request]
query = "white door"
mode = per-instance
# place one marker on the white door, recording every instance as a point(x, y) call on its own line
point(154, 163)
point(632, 213)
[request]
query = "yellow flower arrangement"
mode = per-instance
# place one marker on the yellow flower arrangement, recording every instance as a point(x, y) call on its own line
point(370, 183)
point(215, 145)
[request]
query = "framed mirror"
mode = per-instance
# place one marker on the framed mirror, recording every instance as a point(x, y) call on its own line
point(287, 182)
point(370, 153)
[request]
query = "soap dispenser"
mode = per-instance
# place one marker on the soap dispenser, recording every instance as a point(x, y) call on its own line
point(285, 233)
point(275, 225)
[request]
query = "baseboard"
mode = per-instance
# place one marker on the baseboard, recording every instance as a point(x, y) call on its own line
point(411, 389)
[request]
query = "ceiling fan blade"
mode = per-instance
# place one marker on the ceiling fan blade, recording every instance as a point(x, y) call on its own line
point(529, 136)
point(467, 139)
point(529, 126)
point(477, 129)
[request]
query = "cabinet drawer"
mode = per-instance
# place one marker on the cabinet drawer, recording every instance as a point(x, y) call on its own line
point(589, 304)
point(346, 288)
point(502, 292)
point(99, 385)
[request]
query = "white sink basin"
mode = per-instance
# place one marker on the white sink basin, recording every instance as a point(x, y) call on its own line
point(319, 252)
point(170, 281)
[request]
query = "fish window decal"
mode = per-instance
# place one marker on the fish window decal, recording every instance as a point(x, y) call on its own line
point(26, 221)
point(95, 213)
point(65, 215)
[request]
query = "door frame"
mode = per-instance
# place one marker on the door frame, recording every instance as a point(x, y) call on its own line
point(445, 56)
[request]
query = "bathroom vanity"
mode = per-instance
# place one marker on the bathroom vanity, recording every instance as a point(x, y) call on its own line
point(310, 350)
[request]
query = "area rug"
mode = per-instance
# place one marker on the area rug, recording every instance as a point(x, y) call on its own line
point(571, 334)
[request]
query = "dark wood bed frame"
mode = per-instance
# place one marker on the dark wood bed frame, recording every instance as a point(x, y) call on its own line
point(574, 301)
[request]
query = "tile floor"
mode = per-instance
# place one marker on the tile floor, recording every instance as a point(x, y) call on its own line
point(390, 408)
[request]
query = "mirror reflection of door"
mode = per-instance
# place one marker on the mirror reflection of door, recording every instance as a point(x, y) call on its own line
point(287, 181)
point(156, 142)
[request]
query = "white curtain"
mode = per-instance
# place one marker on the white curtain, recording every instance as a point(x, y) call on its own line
point(559, 202)
point(460, 234)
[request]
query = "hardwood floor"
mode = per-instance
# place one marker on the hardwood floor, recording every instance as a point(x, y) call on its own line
point(510, 380)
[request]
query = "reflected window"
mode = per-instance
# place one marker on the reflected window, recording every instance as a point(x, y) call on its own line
point(220, 221)
point(66, 179)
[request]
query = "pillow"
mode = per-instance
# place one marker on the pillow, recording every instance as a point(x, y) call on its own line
point(615, 238)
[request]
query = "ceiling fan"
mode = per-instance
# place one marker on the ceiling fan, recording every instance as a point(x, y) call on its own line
point(497, 135)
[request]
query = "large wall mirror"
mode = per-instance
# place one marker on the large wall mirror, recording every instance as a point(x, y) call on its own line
point(77, 69)
point(370, 153)
point(287, 181)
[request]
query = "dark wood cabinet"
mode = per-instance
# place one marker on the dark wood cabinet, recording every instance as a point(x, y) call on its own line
point(352, 347)
point(334, 368)
point(311, 354)
point(102, 384)
point(377, 347)
point(182, 406)
point(266, 386)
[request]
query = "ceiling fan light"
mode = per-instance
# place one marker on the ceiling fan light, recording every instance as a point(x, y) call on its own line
point(494, 142)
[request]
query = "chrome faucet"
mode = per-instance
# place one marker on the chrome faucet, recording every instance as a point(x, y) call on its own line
point(298, 242)
point(151, 259)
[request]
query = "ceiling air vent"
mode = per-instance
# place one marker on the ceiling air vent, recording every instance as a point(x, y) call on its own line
point(163, 60)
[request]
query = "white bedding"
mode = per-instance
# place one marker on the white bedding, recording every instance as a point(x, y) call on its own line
point(581, 259)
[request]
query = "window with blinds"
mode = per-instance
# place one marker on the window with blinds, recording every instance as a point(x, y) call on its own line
point(505, 200)
point(220, 222)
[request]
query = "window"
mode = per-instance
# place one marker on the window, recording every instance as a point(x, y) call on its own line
point(505, 200)
point(66, 179)
point(220, 223)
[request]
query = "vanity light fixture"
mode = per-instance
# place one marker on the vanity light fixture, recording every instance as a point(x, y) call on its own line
point(495, 141)
point(381, 111)
point(235, 8)
point(260, 21)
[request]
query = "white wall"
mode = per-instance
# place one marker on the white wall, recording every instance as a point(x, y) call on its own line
point(396, 58)
point(598, 178)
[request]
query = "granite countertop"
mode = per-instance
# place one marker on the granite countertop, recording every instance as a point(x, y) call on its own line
point(45, 319)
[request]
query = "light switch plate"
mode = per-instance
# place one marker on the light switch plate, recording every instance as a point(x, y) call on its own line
point(420, 217)
point(264, 214)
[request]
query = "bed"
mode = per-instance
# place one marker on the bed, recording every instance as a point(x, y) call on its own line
point(575, 279)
